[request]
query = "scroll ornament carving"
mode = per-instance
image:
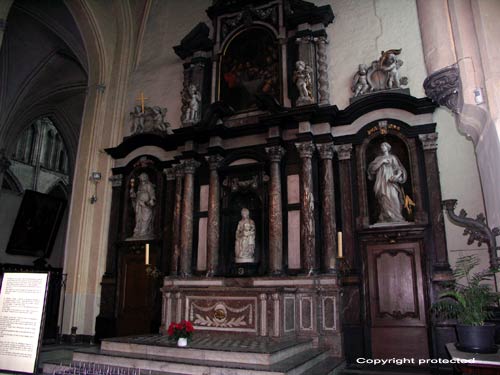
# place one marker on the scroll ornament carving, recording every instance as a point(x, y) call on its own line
point(443, 86)
point(247, 16)
point(151, 120)
point(382, 74)
point(476, 229)
point(235, 184)
point(217, 315)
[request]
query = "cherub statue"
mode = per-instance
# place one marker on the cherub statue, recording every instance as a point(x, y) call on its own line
point(389, 63)
point(303, 81)
point(158, 119)
point(137, 117)
point(193, 105)
point(359, 82)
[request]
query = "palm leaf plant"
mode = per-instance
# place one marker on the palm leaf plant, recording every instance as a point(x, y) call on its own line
point(469, 299)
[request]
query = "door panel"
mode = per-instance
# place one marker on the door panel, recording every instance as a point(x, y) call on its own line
point(396, 297)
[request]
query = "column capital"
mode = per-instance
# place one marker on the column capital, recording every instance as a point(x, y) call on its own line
point(4, 161)
point(190, 165)
point(321, 39)
point(305, 39)
point(344, 151)
point(325, 150)
point(169, 173)
point(305, 149)
point(116, 180)
point(214, 161)
point(178, 170)
point(275, 153)
point(429, 141)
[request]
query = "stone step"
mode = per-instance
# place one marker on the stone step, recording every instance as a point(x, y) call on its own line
point(250, 350)
point(295, 365)
point(328, 366)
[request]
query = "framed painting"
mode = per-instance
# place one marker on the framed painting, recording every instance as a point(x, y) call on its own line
point(249, 66)
point(36, 225)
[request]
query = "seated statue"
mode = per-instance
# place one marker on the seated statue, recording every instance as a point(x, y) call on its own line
point(245, 239)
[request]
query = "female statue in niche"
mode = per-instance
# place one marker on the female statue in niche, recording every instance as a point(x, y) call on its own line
point(245, 239)
point(389, 175)
point(143, 202)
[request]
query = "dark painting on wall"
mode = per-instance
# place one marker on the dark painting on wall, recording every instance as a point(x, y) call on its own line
point(249, 67)
point(36, 225)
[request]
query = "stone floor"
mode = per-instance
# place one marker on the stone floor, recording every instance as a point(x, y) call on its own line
point(62, 353)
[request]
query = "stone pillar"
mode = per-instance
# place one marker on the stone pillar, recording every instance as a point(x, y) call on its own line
point(176, 223)
point(344, 153)
point(322, 57)
point(275, 211)
point(307, 222)
point(189, 166)
point(114, 223)
point(4, 165)
point(328, 205)
point(429, 143)
point(168, 219)
point(213, 216)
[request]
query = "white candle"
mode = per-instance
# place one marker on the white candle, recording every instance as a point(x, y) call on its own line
point(147, 253)
point(339, 244)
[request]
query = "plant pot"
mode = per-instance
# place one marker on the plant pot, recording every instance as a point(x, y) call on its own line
point(476, 339)
point(182, 342)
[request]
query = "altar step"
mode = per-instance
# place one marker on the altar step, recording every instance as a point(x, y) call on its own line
point(210, 355)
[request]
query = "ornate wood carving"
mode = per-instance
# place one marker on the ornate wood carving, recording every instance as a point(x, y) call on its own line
point(443, 86)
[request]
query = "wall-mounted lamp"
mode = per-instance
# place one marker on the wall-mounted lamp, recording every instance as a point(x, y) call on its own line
point(95, 177)
point(478, 96)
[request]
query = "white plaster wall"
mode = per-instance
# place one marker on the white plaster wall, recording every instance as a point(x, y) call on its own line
point(159, 72)
point(361, 30)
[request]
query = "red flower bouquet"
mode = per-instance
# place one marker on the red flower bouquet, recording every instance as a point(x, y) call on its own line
point(183, 329)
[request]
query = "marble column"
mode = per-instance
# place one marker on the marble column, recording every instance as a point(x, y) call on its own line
point(176, 223)
point(325, 151)
point(323, 82)
point(344, 153)
point(189, 166)
point(213, 215)
point(4, 165)
point(429, 143)
point(307, 222)
point(275, 211)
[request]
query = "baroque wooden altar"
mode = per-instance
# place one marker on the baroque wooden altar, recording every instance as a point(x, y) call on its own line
point(301, 170)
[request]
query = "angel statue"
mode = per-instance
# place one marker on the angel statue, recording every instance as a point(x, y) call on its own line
point(390, 64)
point(360, 82)
point(193, 100)
point(137, 117)
point(303, 81)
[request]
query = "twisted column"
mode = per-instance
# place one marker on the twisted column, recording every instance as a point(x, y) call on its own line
point(328, 204)
point(307, 222)
point(323, 85)
point(189, 167)
point(275, 211)
point(213, 215)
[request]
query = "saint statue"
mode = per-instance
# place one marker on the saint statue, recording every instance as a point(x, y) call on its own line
point(143, 202)
point(245, 239)
point(389, 175)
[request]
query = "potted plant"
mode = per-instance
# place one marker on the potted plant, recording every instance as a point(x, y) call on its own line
point(181, 332)
point(469, 300)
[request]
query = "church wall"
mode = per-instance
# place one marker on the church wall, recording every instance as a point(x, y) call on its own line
point(360, 31)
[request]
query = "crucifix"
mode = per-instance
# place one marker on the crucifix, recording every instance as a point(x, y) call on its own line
point(141, 98)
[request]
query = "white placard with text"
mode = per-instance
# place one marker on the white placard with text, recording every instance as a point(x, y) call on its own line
point(22, 301)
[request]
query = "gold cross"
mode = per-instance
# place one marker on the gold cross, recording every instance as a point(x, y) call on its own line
point(142, 99)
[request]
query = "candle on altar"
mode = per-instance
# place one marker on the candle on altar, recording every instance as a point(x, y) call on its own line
point(339, 244)
point(147, 254)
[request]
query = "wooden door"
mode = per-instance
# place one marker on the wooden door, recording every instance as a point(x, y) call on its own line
point(136, 299)
point(396, 297)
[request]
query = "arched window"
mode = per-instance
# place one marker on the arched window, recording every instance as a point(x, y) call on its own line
point(48, 146)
